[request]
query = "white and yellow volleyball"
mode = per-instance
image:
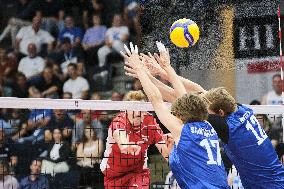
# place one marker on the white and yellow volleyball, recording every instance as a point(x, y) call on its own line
point(184, 33)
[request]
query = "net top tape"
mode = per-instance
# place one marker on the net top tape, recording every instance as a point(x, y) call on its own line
point(73, 104)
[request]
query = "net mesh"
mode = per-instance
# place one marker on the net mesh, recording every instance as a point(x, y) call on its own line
point(29, 131)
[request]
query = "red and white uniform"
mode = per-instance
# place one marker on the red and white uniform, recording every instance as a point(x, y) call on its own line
point(126, 170)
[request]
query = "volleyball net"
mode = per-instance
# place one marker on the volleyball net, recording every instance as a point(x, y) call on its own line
point(29, 129)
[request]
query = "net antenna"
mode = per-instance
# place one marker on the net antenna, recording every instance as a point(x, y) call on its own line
point(280, 7)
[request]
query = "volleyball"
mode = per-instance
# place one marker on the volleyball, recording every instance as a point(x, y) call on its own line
point(184, 33)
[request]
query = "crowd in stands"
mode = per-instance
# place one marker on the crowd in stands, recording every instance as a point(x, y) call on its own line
point(59, 49)
point(68, 49)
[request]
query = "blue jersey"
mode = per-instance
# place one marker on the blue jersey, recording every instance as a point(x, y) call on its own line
point(196, 161)
point(252, 153)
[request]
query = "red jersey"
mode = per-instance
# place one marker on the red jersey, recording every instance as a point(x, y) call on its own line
point(149, 133)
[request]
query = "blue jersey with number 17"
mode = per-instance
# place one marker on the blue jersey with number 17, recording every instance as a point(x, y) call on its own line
point(196, 161)
point(252, 153)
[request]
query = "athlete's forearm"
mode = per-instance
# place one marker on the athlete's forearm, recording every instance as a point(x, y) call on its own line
point(150, 89)
point(167, 92)
point(191, 86)
point(175, 81)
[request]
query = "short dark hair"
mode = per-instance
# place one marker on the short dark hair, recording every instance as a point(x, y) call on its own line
point(255, 102)
point(35, 159)
point(73, 65)
point(66, 40)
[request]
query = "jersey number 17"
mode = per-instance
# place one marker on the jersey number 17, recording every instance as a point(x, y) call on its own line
point(210, 145)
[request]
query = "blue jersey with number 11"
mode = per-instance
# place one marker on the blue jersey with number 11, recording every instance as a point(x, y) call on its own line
point(252, 153)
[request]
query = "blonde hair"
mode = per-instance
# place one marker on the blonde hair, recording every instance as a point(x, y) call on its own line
point(221, 99)
point(135, 96)
point(190, 107)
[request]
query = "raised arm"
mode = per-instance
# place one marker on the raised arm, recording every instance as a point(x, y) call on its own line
point(167, 92)
point(171, 122)
point(190, 86)
point(164, 60)
point(157, 70)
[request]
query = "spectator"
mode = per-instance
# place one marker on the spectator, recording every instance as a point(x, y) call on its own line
point(93, 40)
point(89, 155)
point(77, 85)
point(7, 181)
point(20, 88)
point(274, 97)
point(81, 123)
point(52, 12)
point(47, 84)
point(71, 113)
point(38, 119)
point(131, 16)
point(90, 7)
point(116, 36)
point(116, 96)
point(33, 34)
point(255, 102)
point(97, 114)
point(32, 64)
point(5, 123)
point(58, 155)
point(17, 119)
point(7, 150)
point(68, 55)
point(74, 34)
point(62, 121)
point(5, 87)
point(7, 63)
point(22, 18)
point(35, 180)
point(96, 96)
point(110, 8)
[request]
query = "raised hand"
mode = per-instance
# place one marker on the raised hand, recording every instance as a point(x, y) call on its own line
point(152, 65)
point(132, 59)
point(164, 59)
